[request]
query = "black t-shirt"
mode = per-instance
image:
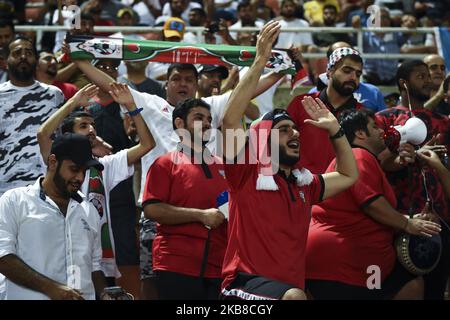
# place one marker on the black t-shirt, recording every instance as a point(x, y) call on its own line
point(109, 126)
point(148, 85)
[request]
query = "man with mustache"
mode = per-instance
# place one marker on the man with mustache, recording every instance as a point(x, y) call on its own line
point(47, 70)
point(423, 189)
point(25, 105)
point(343, 71)
point(181, 194)
point(210, 79)
point(118, 167)
point(270, 200)
point(356, 228)
point(50, 237)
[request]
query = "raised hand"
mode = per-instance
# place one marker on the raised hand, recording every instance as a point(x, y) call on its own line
point(321, 117)
point(433, 145)
point(266, 38)
point(122, 95)
point(65, 48)
point(83, 96)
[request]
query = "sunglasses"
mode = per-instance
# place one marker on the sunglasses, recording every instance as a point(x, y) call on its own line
point(106, 67)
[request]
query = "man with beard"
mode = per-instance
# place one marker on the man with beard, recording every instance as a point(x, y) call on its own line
point(181, 195)
point(417, 187)
point(46, 71)
point(367, 94)
point(50, 237)
point(98, 186)
point(355, 229)
point(25, 105)
point(343, 71)
point(270, 200)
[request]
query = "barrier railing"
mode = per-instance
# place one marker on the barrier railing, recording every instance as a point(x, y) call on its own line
point(39, 29)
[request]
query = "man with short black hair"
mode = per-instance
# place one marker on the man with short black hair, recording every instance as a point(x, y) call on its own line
point(68, 266)
point(7, 32)
point(210, 80)
point(25, 104)
point(270, 200)
point(369, 207)
point(46, 71)
point(343, 71)
point(118, 167)
point(181, 193)
point(367, 94)
point(416, 187)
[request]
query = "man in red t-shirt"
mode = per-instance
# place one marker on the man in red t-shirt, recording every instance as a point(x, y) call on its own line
point(355, 229)
point(46, 71)
point(270, 200)
point(413, 194)
point(344, 70)
point(181, 194)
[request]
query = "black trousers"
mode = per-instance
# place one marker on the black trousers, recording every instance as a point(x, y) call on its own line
point(436, 280)
point(177, 286)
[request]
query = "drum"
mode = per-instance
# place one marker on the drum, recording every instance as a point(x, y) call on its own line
point(419, 255)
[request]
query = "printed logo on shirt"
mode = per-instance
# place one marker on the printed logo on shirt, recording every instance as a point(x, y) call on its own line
point(358, 97)
point(165, 109)
point(302, 196)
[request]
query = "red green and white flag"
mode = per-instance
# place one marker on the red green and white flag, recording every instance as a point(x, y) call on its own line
point(90, 47)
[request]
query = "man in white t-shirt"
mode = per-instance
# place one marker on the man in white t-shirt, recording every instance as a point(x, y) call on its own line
point(288, 39)
point(177, 8)
point(148, 11)
point(246, 17)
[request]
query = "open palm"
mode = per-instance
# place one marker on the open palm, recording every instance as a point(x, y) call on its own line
point(321, 117)
point(83, 96)
point(122, 95)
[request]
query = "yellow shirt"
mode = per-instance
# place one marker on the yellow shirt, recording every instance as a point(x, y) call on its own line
point(314, 9)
